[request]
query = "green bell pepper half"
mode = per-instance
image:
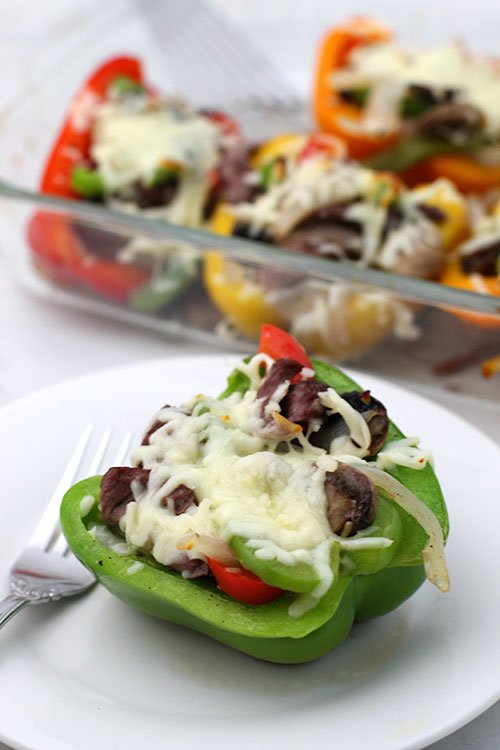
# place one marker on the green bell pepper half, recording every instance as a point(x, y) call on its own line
point(370, 582)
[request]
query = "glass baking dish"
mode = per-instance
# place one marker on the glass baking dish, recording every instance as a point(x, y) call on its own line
point(435, 344)
point(430, 341)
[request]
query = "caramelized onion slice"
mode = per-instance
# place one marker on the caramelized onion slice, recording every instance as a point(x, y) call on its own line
point(433, 553)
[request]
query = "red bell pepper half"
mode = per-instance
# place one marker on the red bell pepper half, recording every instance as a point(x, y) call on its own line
point(57, 249)
point(73, 143)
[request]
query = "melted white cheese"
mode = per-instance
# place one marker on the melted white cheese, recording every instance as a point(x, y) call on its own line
point(247, 484)
point(130, 144)
point(403, 452)
point(312, 185)
point(86, 505)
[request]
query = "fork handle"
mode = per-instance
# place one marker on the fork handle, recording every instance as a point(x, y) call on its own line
point(10, 605)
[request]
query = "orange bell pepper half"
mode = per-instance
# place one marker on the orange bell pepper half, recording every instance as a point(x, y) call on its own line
point(332, 114)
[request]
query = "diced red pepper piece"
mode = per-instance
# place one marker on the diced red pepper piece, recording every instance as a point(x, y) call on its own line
point(243, 585)
point(278, 344)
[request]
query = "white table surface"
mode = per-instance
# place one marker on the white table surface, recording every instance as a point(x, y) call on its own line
point(42, 344)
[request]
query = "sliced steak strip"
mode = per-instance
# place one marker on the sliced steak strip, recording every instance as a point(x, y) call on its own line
point(191, 568)
point(234, 167)
point(281, 370)
point(100, 242)
point(116, 491)
point(301, 404)
point(180, 499)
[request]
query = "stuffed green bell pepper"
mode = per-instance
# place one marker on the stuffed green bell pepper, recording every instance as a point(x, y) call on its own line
point(269, 518)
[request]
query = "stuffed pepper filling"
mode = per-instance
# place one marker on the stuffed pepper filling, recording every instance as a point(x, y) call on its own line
point(285, 480)
point(152, 154)
point(124, 145)
point(340, 210)
point(443, 93)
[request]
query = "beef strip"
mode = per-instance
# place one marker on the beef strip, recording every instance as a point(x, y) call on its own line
point(302, 404)
point(234, 166)
point(191, 568)
point(116, 491)
point(180, 499)
point(99, 241)
point(281, 370)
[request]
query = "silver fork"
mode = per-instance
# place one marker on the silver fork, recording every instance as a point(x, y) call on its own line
point(213, 63)
point(46, 571)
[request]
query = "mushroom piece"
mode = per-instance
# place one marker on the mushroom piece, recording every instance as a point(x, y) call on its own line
point(373, 412)
point(351, 500)
point(450, 121)
point(483, 259)
point(329, 233)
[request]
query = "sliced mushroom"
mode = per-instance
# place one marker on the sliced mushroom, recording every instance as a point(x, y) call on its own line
point(147, 196)
point(329, 233)
point(484, 259)
point(374, 413)
point(351, 500)
point(449, 121)
point(116, 491)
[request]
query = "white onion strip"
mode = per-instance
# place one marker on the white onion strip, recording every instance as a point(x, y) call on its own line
point(433, 552)
point(209, 546)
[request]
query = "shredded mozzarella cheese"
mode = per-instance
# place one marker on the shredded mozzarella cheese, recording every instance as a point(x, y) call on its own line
point(247, 485)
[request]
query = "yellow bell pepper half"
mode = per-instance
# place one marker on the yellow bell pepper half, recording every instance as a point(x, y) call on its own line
point(231, 288)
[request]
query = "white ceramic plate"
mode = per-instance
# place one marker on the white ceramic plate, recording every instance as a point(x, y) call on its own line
point(94, 673)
